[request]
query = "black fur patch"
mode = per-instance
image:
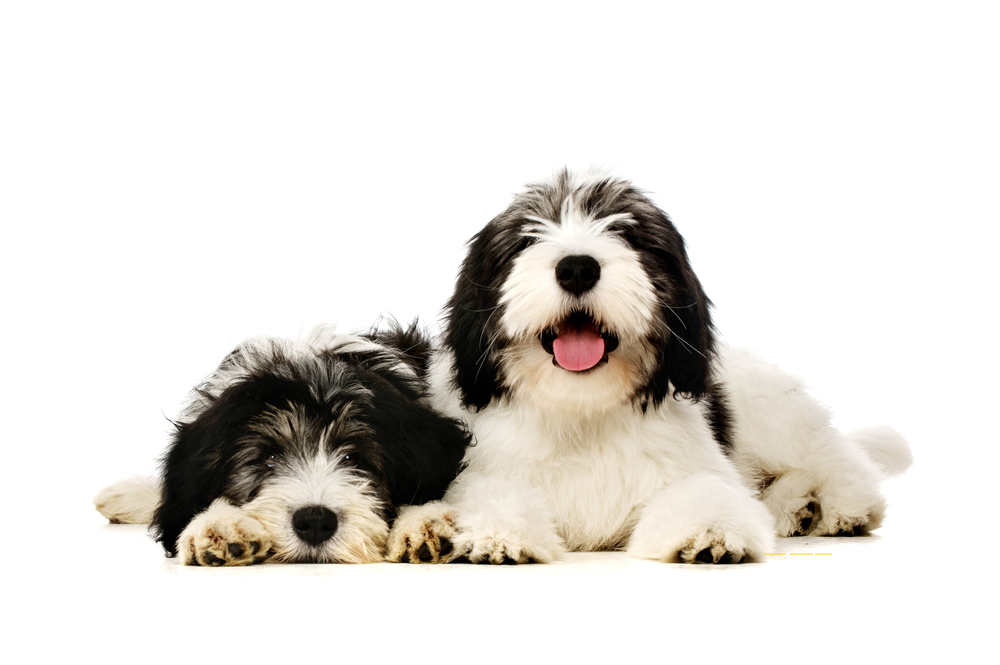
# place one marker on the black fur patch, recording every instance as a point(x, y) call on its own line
point(719, 417)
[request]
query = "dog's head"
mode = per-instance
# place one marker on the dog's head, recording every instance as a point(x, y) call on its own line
point(319, 441)
point(579, 297)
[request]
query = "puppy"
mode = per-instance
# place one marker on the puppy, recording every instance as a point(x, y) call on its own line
point(299, 451)
point(580, 351)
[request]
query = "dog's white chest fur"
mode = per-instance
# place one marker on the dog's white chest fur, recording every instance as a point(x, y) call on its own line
point(590, 475)
point(593, 475)
point(595, 488)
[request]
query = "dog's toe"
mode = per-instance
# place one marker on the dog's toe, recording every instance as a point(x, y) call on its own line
point(225, 536)
point(422, 534)
point(711, 547)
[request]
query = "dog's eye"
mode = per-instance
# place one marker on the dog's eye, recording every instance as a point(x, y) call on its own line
point(271, 461)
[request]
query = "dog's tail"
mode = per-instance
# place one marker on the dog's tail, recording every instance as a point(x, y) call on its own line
point(885, 447)
point(129, 501)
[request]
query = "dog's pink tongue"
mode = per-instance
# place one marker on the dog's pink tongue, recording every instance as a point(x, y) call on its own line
point(577, 349)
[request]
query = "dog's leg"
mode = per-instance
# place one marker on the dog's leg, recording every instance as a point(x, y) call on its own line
point(825, 483)
point(500, 521)
point(791, 499)
point(842, 499)
point(704, 518)
point(422, 534)
point(223, 535)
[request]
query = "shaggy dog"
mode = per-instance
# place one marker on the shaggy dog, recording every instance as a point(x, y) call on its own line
point(580, 351)
point(299, 452)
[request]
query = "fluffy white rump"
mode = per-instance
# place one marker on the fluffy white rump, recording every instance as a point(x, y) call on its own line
point(129, 501)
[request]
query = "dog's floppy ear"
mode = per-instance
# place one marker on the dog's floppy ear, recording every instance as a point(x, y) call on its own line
point(470, 311)
point(422, 450)
point(687, 350)
point(688, 353)
point(197, 464)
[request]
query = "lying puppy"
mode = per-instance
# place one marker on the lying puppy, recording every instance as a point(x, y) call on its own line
point(580, 351)
point(299, 452)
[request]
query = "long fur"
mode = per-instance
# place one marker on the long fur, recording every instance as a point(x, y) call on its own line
point(673, 446)
point(299, 451)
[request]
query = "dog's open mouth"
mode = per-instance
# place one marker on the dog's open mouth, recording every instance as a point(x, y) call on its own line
point(578, 343)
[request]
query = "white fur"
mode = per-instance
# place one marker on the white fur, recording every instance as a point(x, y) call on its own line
point(223, 534)
point(539, 482)
point(422, 534)
point(783, 432)
point(129, 501)
point(567, 460)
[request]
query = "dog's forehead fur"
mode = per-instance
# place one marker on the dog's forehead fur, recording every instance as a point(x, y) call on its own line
point(322, 368)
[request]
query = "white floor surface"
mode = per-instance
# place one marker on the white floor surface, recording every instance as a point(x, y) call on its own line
point(106, 591)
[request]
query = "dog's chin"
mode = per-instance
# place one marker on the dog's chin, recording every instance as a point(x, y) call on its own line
point(591, 389)
point(340, 550)
point(357, 554)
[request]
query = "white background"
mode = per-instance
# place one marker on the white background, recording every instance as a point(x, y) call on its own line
point(179, 176)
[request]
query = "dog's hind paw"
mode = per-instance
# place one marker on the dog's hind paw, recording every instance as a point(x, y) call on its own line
point(129, 501)
point(848, 511)
point(422, 534)
point(795, 517)
point(223, 535)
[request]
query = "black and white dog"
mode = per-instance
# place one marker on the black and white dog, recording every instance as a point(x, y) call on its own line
point(299, 451)
point(580, 351)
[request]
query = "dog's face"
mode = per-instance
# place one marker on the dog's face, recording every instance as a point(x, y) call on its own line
point(308, 467)
point(319, 447)
point(579, 297)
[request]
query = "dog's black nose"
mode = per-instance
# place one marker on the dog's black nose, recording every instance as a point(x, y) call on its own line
point(314, 524)
point(578, 274)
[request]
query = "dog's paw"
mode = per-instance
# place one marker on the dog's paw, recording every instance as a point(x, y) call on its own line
point(129, 501)
point(795, 517)
point(223, 536)
point(808, 516)
point(422, 534)
point(503, 548)
point(713, 546)
point(837, 522)
point(848, 511)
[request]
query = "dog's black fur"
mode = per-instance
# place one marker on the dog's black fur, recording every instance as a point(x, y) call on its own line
point(364, 405)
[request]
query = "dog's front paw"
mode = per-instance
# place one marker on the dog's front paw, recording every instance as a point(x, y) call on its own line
point(422, 534)
point(223, 535)
point(504, 547)
point(709, 544)
point(713, 546)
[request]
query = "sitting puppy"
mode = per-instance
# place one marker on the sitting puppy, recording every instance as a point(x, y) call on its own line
point(580, 351)
point(299, 452)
